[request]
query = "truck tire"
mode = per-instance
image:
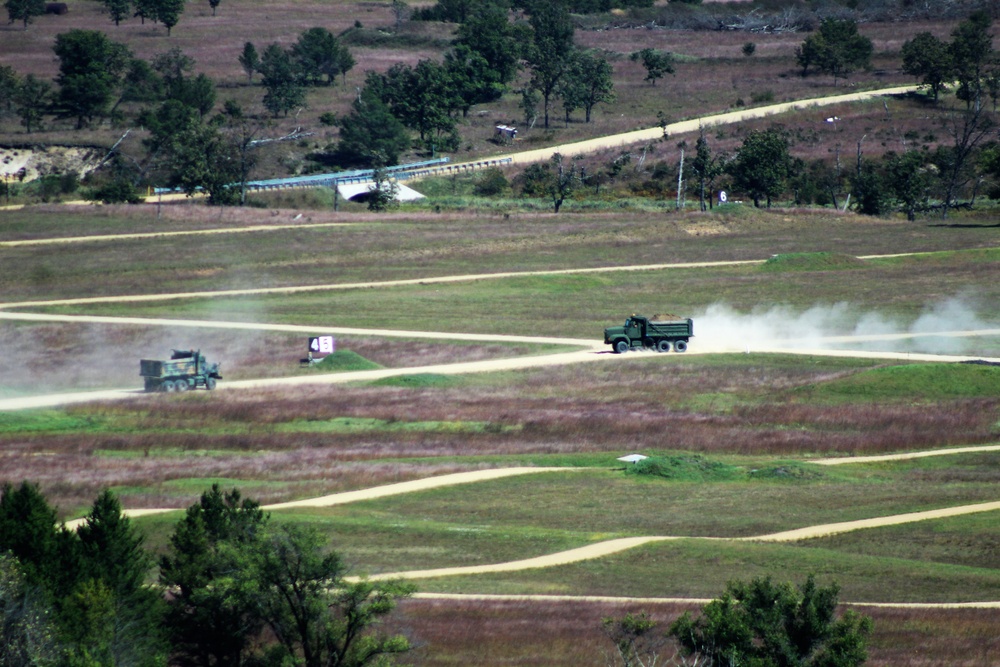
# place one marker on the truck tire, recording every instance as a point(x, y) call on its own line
point(663, 346)
point(681, 346)
point(210, 383)
point(168, 386)
point(182, 385)
point(622, 346)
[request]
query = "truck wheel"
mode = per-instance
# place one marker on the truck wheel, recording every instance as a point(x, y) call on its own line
point(168, 386)
point(182, 385)
point(622, 346)
point(210, 383)
point(681, 346)
point(663, 346)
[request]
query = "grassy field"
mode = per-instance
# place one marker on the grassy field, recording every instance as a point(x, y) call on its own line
point(736, 434)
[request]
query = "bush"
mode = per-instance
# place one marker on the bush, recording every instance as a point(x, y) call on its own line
point(491, 183)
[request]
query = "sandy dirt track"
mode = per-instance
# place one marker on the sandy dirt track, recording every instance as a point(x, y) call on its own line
point(622, 600)
point(610, 547)
point(151, 235)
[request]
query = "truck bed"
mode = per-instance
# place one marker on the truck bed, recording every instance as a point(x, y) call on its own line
point(160, 369)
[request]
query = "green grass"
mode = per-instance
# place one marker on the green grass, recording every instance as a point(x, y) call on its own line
point(371, 425)
point(701, 568)
point(810, 261)
point(49, 421)
point(418, 381)
point(344, 360)
point(926, 382)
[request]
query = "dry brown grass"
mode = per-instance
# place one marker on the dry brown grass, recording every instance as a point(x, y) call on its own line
point(550, 634)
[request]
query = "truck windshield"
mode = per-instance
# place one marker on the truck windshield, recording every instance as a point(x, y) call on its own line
point(628, 323)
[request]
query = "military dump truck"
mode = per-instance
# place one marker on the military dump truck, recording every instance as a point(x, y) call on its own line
point(660, 333)
point(187, 369)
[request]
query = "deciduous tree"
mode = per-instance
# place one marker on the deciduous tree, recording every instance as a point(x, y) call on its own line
point(587, 83)
point(118, 10)
point(24, 10)
point(550, 51)
point(760, 166)
point(657, 63)
point(929, 58)
point(317, 616)
point(836, 48)
point(971, 47)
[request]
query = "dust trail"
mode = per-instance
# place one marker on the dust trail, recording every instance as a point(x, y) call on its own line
point(949, 326)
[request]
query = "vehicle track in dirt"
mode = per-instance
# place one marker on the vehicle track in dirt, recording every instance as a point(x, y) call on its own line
point(615, 546)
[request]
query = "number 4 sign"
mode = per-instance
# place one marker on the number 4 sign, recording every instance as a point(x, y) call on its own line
point(321, 344)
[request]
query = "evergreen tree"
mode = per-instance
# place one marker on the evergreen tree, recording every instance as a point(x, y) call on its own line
point(280, 78)
point(369, 131)
point(112, 610)
point(763, 623)
point(212, 617)
point(91, 70)
point(249, 60)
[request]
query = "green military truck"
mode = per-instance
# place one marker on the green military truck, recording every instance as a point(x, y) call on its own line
point(186, 369)
point(660, 333)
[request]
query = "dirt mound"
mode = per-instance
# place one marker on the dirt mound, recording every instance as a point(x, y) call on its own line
point(37, 161)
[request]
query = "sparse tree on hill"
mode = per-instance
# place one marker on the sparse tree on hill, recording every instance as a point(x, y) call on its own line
point(587, 83)
point(929, 58)
point(145, 9)
point(168, 12)
point(657, 63)
point(550, 51)
point(318, 54)
point(214, 4)
point(118, 10)
point(24, 10)
point(909, 178)
point(836, 48)
point(249, 60)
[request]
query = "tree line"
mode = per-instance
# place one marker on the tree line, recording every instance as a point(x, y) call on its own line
point(233, 589)
point(167, 12)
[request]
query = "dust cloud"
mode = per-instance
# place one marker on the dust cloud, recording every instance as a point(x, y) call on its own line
point(843, 326)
